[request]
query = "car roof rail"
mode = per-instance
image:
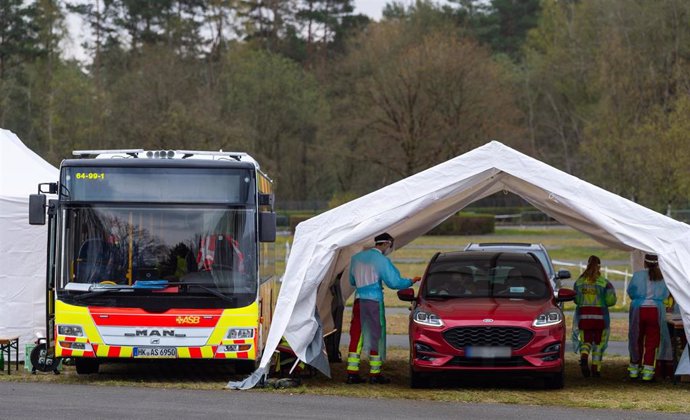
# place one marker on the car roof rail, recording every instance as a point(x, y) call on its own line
point(504, 244)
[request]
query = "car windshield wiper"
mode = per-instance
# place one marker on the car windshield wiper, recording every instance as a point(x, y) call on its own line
point(441, 297)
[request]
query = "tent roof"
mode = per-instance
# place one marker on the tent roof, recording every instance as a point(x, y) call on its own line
point(21, 170)
point(409, 208)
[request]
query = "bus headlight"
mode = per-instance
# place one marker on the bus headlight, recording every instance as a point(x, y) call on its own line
point(241, 333)
point(71, 330)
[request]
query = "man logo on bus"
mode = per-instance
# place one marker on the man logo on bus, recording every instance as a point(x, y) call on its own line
point(158, 333)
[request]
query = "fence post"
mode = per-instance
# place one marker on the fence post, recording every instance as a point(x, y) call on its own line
point(625, 288)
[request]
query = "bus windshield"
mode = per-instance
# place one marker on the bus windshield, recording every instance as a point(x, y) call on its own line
point(202, 251)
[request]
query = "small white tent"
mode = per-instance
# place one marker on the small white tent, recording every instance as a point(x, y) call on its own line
point(409, 208)
point(22, 246)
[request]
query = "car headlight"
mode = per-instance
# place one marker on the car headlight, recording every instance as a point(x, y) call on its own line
point(427, 318)
point(548, 318)
point(70, 330)
point(241, 333)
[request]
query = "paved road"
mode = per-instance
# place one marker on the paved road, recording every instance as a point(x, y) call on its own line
point(60, 401)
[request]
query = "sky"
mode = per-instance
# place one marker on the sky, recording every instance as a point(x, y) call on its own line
point(371, 8)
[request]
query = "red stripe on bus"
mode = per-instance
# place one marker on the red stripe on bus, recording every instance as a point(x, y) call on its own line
point(243, 355)
point(114, 351)
point(195, 352)
point(207, 321)
point(66, 352)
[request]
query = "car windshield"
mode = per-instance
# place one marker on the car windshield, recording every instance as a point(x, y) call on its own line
point(538, 252)
point(520, 278)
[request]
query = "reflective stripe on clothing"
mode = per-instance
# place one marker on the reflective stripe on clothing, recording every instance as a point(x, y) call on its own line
point(353, 362)
point(375, 364)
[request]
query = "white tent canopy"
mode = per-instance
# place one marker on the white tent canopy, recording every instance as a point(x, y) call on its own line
point(22, 246)
point(409, 208)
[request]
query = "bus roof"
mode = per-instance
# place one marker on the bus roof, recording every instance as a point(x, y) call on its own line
point(165, 155)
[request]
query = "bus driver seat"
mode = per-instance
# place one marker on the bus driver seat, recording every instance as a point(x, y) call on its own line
point(92, 261)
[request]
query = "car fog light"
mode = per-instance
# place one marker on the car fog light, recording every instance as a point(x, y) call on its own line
point(552, 348)
point(424, 348)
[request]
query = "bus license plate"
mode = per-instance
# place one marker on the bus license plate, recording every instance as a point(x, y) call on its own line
point(155, 352)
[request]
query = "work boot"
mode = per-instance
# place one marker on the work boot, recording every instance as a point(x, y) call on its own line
point(633, 371)
point(595, 371)
point(584, 367)
point(379, 379)
point(353, 378)
point(647, 373)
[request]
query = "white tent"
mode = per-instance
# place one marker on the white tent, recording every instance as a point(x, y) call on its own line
point(409, 208)
point(22, 246)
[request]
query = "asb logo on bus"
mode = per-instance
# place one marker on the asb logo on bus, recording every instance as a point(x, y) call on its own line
point(182, 320)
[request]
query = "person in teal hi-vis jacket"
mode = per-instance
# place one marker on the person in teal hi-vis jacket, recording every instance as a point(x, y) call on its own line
point(648, 337)
point(591, 323)
point(369, 270)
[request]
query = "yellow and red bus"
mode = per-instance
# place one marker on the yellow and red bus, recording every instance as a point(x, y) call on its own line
point(159, 254)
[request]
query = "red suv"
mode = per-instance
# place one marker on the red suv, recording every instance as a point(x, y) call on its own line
point(486, 311)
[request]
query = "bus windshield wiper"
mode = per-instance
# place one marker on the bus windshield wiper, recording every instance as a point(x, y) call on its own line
point(102, 290)
point(208, 289)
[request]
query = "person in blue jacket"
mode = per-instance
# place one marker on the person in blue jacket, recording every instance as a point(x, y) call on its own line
point(648, 337)
point(369, 270)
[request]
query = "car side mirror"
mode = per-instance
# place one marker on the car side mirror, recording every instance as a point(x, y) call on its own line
point(565, 295)
point(406, 295)
point(563, 274)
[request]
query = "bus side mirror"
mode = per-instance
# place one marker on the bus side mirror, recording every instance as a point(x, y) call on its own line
point(37, 209)
point(267, 226)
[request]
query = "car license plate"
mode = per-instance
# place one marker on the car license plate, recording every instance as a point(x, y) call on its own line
point(155, 352)
point(487, 352)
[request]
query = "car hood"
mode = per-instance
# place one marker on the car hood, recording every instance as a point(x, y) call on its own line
point(480, 308)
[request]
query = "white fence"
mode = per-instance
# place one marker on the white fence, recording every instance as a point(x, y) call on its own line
point(604, 270)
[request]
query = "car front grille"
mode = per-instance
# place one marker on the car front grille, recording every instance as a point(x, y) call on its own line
point(503, 362)
point(512, 337)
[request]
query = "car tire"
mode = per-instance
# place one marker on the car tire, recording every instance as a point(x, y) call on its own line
point(86, 366)
point(418, 380)
point(555, 381)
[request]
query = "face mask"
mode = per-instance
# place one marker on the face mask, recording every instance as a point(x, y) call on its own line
point(389, 250)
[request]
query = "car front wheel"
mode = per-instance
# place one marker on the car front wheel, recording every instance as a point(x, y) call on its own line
point(555, 380)
point(418, 380)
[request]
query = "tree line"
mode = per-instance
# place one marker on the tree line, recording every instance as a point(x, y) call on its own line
point(334, 105)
